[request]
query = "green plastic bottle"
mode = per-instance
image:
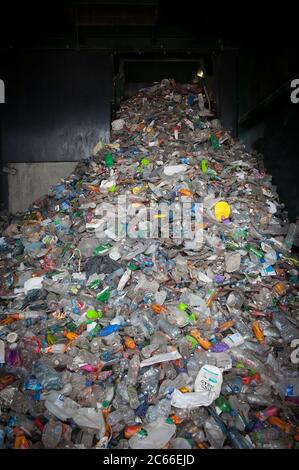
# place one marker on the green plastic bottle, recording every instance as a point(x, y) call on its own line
point(104, 295)
point(223, 405)
point(109, 161)
point(255, 252)
point(215, 142)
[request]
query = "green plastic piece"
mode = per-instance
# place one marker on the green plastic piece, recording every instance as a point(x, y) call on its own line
point(95, 284)
point(192, 341)
point(192, 317)
point(204, 166)
point(50, 339)
point(239, 365)
point(99, 250)
point(133, 267)
point(182, 307)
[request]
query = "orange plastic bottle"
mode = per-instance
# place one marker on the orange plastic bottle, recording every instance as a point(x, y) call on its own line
point(129, 342)
point(70, 336)
point(156, 308)
point(93, 188)
point(212, 297)
point(285, 427)
point(21, 441)
point(226, 326)
point(258, 332)
point(204, 343)
point(185, 192)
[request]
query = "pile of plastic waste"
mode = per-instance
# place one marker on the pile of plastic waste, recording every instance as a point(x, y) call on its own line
point(150, 300)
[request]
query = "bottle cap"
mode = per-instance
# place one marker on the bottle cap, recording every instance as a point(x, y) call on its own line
point(12, 338)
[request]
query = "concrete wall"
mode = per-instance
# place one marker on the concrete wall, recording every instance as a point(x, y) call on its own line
point(272, 129)
point(33, 180)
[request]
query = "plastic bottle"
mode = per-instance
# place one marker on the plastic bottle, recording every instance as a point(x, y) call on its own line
point(287, 330)
point(108, 158)
point(265, 414)
point(55, 349)
point(158, 308)
point(125, 414)
point(289, 240)
point(30, 347)
point(62, 407)
point(171, 330)
point(52, 434)
point(204, 343)
point(85, 397)
point(259, 254)
point(265, 436)
point(2, 353)
point(180, 443)
point(223, 405)
point(134, 370)
point(133, 397)
point(47, 376)
point(156, 436)
point(256, 328)
point(236, 439)
point(161, 410)
point(91, 419)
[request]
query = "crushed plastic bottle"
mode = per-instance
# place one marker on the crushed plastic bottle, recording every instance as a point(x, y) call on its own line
point(150, 299)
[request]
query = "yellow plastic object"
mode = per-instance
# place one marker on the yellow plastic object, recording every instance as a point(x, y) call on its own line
point(222, 211)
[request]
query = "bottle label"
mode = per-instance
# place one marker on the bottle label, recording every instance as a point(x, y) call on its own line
point(59, 401)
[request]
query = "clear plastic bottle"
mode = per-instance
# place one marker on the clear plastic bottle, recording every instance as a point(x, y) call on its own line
point(47, 376)
point(52, 434)
point(86, 397)
point(158, 435)
point(125, 414)
point(161, 410)
point(169, 370)
point(29, 350)
point(287, 331)
point(134, 367)
point(150, 382)
point(265, 436)
point(289, 240)
point(171, 330)
point(62, 407)
point(180, 443)
point(133, 397)
point(2, 353)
